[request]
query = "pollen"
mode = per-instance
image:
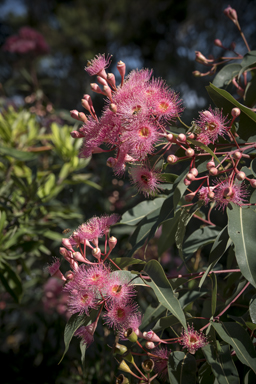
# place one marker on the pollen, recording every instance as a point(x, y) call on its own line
point(144, 132)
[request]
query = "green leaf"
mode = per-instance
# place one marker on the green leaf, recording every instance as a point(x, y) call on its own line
point(131, 278)
point(236, 336)
point(18, 155)
point(252, 309)
point(250, 94)
point(123, 262)
point(226, 74)
point(167, 237)
point(168, 177)
point(226, 102)
point(164, 323)
point(11, 281)
point(253, 167)
point(198, 239)
point(242, 229)
point(219, 247)
point(248, 59)
point(222, 364)
point(163, 290)
point(134, 215)
point(190, 297)
point(214, 292)
point(181, 368)
point(72, 326)
point(152, 314)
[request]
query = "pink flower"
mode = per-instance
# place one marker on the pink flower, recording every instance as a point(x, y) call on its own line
point(28, 40)
point(192, 340)
point(203, 194)
point(118, 290)
point(235, 193)
point(146, 180)
point(119, 315)
point(161, 360)
point(96, 277)
point(98, 65)
point(211, 124)
point(81, 301)
point(54, 269)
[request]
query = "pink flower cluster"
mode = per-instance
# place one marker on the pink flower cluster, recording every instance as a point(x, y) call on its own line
point(133, 122)
point(27, 40)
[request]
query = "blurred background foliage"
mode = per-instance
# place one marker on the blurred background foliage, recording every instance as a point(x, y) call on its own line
point(44, 187)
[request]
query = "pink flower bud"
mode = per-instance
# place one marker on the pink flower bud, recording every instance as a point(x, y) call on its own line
point(213, 171)
point(218, 43)
point(96, 88)
point(107, 91)
point(76, 134)
point(196, 73)
point(150, 345)
point(235, 112)
point(79, 257)
point(253, 183)
point(121, 67)
point(187, 182)
point(191, 135)
point(202, 59)
point(111, 162)
point(96, 252)
point(210, 165)
point(189, 197)
point(69, 275)
point(211, 195)
point(66, 243)
point(111, 80)
point(82, 117)
point(182, 137)
point(190, 152)
point(231, 14)
point(151, 336)
point(171, 159)
point(237, 155)
point(169, 137)
point(113, 107)
point(240, 176)
point(190, 177)
point(86, 105)
point(74, 114)
point(194, 171)
point(101, 80)
point(112, 242)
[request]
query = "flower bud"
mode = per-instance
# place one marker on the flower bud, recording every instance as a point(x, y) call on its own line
point(253, 183)
point(182, 137)
point(150, 345)
point(121, 67)
point(111, 162)
point(189, 197)
point(148, 365)
point(187, 182)
point(194, 171)
point(96, 252)
point(171, 159)
point(76, 134)
point(129, 357)
point(235, 112)
point(210, 165)
point(211, 195)
point(151, 336)
point(101, 80)
point(190, 177)
point(237, 155)
point(190, 152)
point(213, 171)
point(96, 88)
point(79, 257)
point(240, 176)
point(107, 92)
point(218, 43)
point(69, 275)
point(169, 137)
point(111, 80)
point(191, 135)
point(231, 14)
point(113, 107)
point(202, 59)
point(112, 241)
point(196, 74)
point(82, 117)
point(232, 46)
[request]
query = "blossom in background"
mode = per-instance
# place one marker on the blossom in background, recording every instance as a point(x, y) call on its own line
point(160, 359)
point(28, 40)
point(86, 334)
point(192, 340)
point(211, 125)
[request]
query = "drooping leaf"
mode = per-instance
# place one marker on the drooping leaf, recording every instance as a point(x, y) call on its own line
point(123, 262)
point(242, 229)
point(151, 314)
point(11, 281)
point(167, 237)
point(236, 336)
point(222, 364)
point(72, 326)
point(18, 155)
point(181, 368)
point(163, 290)
point(198, 239)
point(252, 309)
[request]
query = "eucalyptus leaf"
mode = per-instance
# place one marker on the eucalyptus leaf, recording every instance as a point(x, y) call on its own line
point(182, 368)
point(226, 74)
point(134, 215)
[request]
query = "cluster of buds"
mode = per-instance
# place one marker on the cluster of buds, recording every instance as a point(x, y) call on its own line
point(213, 63)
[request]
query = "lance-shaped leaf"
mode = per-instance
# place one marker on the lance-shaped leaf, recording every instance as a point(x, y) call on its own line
point(152, 314)
point(72, 326)
point(226, 74)
point(223, 99)
point(181, 368)
point(134, 215)
point(123, 262)
point(242, 229)
point(236, 336)
point(252, 309)
point(167, 237)
point(222, 364)
point(11, 281)
point(163, 290)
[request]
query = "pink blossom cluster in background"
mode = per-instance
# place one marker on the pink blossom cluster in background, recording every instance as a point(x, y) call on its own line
point(28, 40)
